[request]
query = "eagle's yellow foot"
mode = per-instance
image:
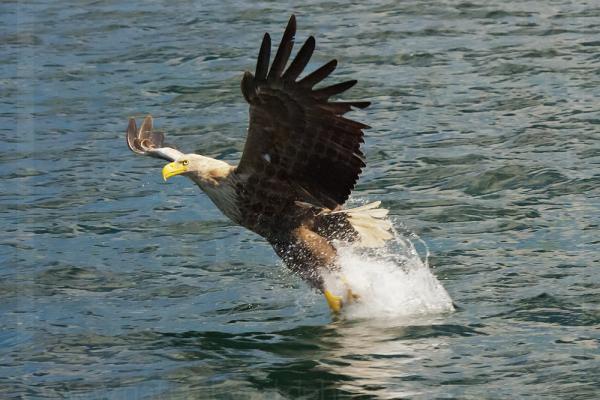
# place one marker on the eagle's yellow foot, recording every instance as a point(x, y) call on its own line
point(334, 302)
point(337, 302)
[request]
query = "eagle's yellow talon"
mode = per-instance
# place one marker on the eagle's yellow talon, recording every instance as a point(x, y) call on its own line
point(334, 302)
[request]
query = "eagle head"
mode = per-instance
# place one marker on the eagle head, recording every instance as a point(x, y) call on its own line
point(205, 171)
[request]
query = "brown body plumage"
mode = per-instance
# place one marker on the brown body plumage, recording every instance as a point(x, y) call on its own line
point(301, 160)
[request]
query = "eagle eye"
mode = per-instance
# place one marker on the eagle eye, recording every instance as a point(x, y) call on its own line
point(185, 163)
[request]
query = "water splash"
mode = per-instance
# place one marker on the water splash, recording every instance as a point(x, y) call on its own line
point(392, 281)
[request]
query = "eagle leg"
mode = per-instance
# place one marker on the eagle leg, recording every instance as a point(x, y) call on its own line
point(307, 254)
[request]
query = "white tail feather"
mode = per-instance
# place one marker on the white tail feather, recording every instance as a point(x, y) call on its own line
point(371, 224)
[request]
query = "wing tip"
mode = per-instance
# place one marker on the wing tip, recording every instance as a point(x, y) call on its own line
point(132, 126)
point(144, 140)
point(333, 90)
point(361, 104)
point(300, 61)
point(264, 55)
point(283, 51)
point(131, 135)
point(319, 74)
point(248, 86)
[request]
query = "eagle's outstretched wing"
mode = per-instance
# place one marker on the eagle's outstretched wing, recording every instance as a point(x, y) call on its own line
point(295, 132)
point(146, 141)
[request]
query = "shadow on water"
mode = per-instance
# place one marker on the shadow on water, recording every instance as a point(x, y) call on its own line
point(343, 359)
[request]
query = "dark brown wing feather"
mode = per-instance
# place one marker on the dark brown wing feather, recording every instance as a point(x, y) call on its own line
point(149, 142)
point(296, 133)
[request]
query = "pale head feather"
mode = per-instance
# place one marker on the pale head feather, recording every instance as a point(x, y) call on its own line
point(205, 171)
point(215, 178)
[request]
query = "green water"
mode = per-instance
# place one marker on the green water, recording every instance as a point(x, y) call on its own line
point(485, 142)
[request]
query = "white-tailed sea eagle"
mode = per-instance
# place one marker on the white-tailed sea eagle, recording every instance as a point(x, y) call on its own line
point(301, 160)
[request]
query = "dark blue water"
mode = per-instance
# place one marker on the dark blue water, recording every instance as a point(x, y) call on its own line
point(485, 142)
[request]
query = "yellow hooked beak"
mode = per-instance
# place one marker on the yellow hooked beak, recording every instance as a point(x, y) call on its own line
point(172, 169)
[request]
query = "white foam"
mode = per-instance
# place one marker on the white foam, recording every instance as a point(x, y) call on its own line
point(392, 281)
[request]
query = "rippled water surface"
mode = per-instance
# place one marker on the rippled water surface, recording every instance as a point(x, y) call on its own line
point(485, 142)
